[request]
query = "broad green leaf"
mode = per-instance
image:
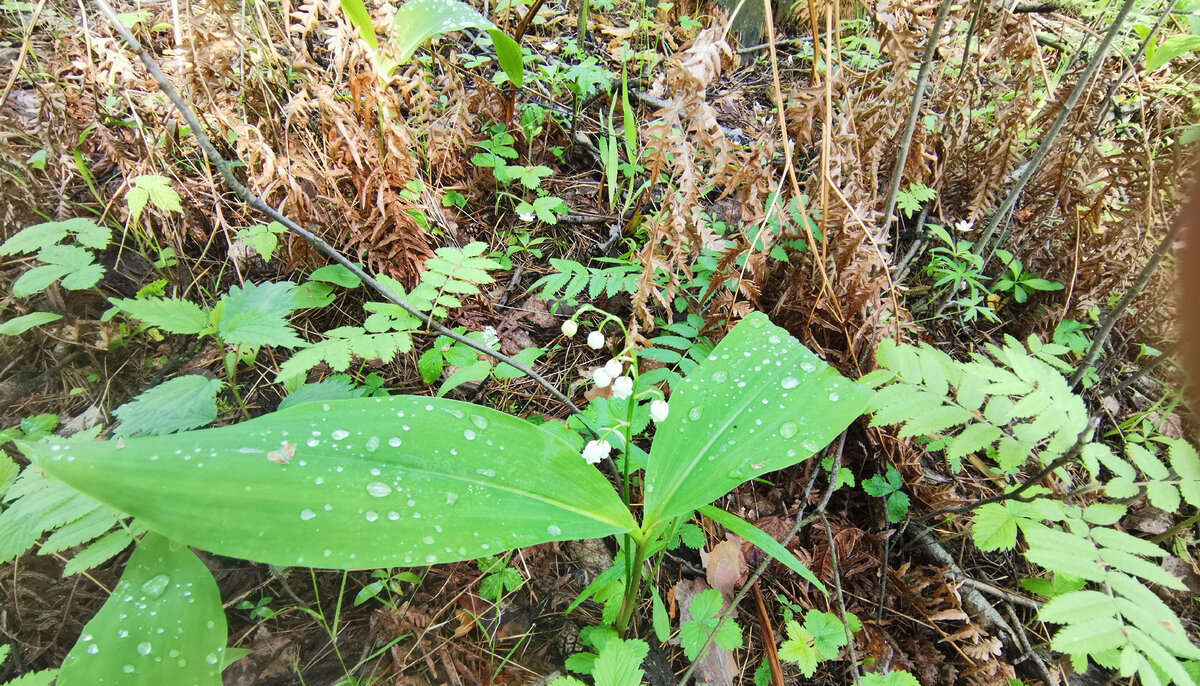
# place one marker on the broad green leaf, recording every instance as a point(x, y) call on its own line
point(184, 402)
point(508, 54)
point(1171, 48)
point(761, 539)
point(163, 624)
point(38, 279)
point(333, 388)
point(417, 21)
point(713, 441)
point(476, 371)
point(19, 325)
point(357, 13)
point(336, 274)
point(353, 484)
point(173, 315)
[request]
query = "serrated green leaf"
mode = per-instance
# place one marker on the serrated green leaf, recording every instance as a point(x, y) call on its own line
point(1132, 564)
point(173, 315)
point(505, 482)
point(184, 402)
point(827, 631)
point(620, 662)
point(1079, 606)
point(798, 648)
point(1059, 551)
point(935, 420)
point(994, 528)
point(100, 551)
point(255, 314)
point(135, 638)
point(1163, 495)
point(1100, 634)
point(972, 439)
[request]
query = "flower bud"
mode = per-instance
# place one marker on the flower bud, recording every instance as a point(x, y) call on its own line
point(659, 410)
point(614, 368)
point(602, 378)
point(595, 340)
point(595, 451)
point(622, 388)
point(570, 328)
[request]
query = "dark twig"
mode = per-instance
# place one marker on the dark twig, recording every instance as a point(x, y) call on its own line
point(801, 522)
point(247, 196)
point(1068, 108)
point(1080, 441)
point(837, 587)
point(1110, 318)
point(935, 35)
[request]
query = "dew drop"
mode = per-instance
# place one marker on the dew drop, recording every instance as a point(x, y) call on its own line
point(808, 367)
point(553, 530)
point(307, 514)
point(339, 434)
point(378, 489)
point(312, 442)
point(211, 658)
point(695, 412)
point(394, 441)
point(372, 444)
point(155, 587)
point(428, 540)
point(371, 515)
point(833, 397)
point(720, 376)
point(128, 669)
point(469, 435)
point(789, 382)
point(485, 472)
point(143, 648)
point(479, 422)
point(788, 430)
point(93, 649)
point(451, 498)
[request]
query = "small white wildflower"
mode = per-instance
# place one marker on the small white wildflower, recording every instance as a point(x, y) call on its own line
point(595, 451)
point(490, 338)
point(622, 388)
point(963, 226)
point(550, 46)
point(525, 217)
point(595, 340)
point(659, 410)
point(570, 328)
point(602, 378)
point(614, 368)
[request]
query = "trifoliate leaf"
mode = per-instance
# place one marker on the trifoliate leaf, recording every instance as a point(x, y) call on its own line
point(799, 648)
point(827, 631)
point(184, 402)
